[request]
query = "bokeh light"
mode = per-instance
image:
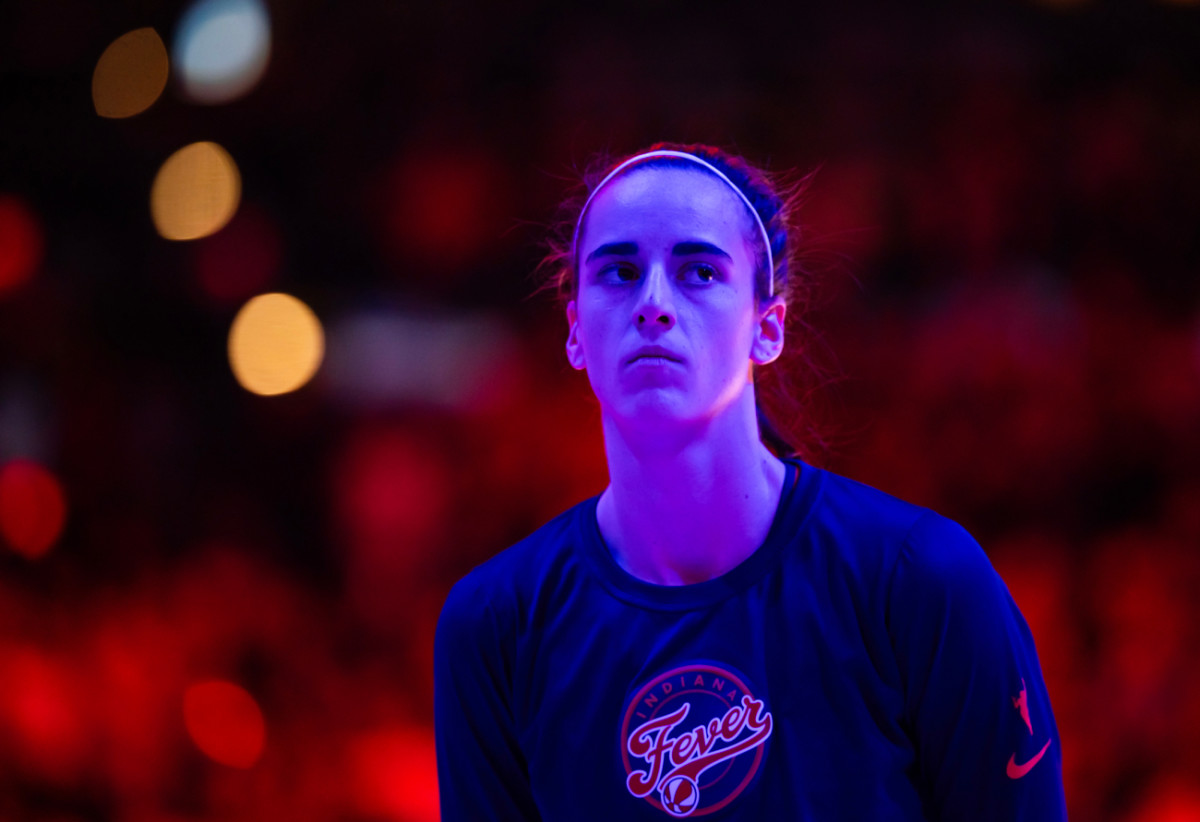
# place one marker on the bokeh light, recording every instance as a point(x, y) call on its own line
point(222, 48)
point(225, 723)
point(443, 208)
point(392, 492)
point(241, 260)
point(275, 344)
point(130, 75)
point(465, 362)
point(43, 713)
point(33, 508)
point(21, 242)
point(196, 192)
point(394, 774)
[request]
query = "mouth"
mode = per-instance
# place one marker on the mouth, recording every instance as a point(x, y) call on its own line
point(654, 355)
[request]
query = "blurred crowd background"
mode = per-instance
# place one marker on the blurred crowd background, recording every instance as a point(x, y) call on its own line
point(229, 517)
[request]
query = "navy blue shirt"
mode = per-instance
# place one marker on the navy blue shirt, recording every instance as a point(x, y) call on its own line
point(865, 662)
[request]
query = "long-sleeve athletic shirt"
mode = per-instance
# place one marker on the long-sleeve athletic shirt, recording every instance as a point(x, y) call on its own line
point(865, 662)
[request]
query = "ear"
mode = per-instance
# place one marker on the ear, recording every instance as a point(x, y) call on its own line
point(768, 334)
point(574, 347)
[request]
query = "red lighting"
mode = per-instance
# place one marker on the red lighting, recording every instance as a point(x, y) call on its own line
point(225, 723)
point(393, 490)
point(32, 508)
point(21, 243)
point(395, 774)
point(442, 208)
point(40, 713)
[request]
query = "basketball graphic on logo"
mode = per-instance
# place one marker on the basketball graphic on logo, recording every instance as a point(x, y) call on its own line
point(680, 795)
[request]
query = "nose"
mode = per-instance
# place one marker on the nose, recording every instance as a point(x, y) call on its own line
point(655, 306)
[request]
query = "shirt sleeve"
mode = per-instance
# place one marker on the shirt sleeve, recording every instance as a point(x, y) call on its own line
point(975, 702)
point(482, 774)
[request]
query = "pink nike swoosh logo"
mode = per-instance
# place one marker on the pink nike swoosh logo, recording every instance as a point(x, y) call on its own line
point(1016, 771)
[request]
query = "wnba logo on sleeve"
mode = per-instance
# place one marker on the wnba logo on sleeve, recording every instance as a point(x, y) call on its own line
point(693, 738)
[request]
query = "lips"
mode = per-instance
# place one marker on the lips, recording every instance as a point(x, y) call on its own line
point(654, 351)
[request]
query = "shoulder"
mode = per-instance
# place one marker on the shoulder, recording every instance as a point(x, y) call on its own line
point(942, 569)
point(847, 503)
point(874, 529)
point(862, 526)
point(502, 586)
point(941, 576)
point(938, 548)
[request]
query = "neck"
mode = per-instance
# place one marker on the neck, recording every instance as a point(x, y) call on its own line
point(688, 504)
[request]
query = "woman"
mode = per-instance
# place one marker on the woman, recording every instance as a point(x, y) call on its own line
point(724, 630)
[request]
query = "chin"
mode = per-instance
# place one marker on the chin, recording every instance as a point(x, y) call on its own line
point(659, 409)
point(642, 405)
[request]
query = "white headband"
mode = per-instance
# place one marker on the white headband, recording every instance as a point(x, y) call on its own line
point(762, 229)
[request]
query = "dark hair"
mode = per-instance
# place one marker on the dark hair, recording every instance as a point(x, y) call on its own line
point(775, 197)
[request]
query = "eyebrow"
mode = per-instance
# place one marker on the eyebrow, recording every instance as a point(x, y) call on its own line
point(626, 249)
point(690, 247)
point(683, 249)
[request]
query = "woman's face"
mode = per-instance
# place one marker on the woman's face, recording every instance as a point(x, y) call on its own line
point(664, 318)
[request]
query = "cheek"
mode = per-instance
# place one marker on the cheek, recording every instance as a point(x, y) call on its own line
point(593, 325)
point(729, 334)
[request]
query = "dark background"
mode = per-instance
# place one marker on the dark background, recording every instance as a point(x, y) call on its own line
point(1005, 224)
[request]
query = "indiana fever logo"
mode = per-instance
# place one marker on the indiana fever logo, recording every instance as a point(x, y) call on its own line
point(693, 739)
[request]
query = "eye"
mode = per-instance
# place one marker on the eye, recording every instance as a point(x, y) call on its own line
point(620, 273)
point(700, 273)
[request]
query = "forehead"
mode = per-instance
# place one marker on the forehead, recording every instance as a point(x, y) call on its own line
point(658, 201)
